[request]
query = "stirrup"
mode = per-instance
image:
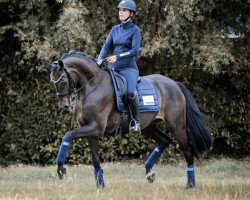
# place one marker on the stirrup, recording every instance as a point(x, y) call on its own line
point(134, 127)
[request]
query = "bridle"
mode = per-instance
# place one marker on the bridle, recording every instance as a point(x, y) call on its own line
point(73, 90)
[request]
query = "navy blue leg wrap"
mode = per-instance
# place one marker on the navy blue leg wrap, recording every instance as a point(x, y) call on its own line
point(152, 159)
point(61, 156)
point(191, 175)
point(99, 177)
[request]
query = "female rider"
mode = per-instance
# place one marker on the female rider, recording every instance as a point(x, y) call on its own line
point(124, 43)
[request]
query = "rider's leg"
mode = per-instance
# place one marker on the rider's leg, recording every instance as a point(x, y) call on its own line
point(135, 114)
point(131, 76)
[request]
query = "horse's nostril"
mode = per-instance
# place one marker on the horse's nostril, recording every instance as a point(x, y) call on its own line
point(65, 107)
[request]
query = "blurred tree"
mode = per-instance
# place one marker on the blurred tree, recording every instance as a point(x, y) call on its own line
point(204, 44)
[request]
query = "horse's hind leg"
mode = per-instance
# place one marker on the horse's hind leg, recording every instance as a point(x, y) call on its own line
point(189, 155)
point(185, 146)
point(163, 141)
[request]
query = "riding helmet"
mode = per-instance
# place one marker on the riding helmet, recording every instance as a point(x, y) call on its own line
point(128, 4)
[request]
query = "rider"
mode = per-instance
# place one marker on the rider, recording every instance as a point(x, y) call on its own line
point(124, 42)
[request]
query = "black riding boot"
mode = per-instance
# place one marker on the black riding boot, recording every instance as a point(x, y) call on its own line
point(135, 114)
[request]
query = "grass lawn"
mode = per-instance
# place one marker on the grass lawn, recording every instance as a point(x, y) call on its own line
point(215, 179)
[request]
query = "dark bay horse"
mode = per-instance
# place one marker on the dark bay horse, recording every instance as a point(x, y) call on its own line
point(88, 90)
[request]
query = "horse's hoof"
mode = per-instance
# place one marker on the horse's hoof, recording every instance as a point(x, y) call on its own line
point(61, 173)
point(100, 185)
point(150, 177)
point(99, 178)
point(189, 186)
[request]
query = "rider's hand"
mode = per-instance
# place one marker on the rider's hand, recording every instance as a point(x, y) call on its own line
point(112, 59)
point(99, 62)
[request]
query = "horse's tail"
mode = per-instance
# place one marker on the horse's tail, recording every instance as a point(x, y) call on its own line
point(199, 134)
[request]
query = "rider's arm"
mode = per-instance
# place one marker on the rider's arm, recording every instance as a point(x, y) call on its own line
point(136, 42)
point(108, 44)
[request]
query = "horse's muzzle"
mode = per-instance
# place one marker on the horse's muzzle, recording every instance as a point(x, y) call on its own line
point(63, 103)
point(64, 107)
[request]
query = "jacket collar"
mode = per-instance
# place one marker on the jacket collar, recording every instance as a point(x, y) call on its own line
point(127, 24)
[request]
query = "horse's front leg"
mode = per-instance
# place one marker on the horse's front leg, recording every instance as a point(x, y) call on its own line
point(90, 130)
point(163, 141)
point(152, 159)
point(98, 172)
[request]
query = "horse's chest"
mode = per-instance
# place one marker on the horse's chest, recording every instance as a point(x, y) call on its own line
point(80, 116)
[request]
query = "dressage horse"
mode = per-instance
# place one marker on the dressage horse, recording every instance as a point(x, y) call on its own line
point(88, 91)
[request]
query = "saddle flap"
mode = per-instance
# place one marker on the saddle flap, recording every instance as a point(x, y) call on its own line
point(121, 83)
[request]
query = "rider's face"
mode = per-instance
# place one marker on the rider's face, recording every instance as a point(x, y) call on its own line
point(124, 14)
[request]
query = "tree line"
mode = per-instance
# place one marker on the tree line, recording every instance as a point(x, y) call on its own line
point(204, 44)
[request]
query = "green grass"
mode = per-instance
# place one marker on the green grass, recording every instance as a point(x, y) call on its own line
point(216, 180)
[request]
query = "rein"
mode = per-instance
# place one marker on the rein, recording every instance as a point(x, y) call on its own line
point(73, 91)
point(73, 96)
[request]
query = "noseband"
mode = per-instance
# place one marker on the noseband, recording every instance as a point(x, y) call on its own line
point(73, 91)
point(72, 88)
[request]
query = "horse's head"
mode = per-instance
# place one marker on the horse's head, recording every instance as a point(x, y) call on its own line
point(71, 75)
point(59, 76)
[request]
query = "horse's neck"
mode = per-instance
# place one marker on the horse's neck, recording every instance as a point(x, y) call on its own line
point(99, 92)
point(89, 76)
point(83, 70)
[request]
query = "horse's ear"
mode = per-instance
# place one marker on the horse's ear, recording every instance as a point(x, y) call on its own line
point(61, 65)
point(54, 65)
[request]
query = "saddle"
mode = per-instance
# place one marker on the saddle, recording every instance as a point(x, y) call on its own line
point(120, 85)
point(148, 100)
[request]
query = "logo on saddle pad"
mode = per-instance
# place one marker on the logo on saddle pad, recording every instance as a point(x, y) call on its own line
point(148, 100)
